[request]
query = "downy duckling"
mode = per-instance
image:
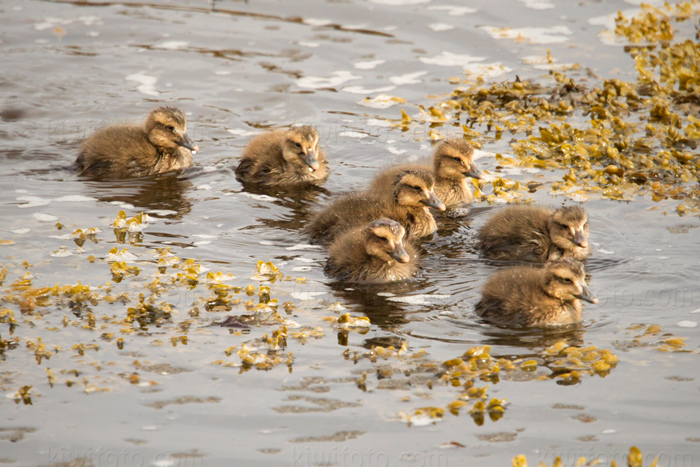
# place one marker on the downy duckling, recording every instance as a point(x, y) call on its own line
point(453, 164)
point(405, 200)
point(373, 254)
point(284, 157)
point(161, 145)
point(536, 297)
point(533, 233)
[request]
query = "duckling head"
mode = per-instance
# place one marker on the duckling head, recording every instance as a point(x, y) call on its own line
point(414, 188)
point(300, 147)
point(565, 279)
point(568, 228)
point(384, 240)
point(167, 128)
point(454, 160)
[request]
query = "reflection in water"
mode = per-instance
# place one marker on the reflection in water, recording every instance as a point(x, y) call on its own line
point(165, 192)
point(374, 301)
point(300, 201)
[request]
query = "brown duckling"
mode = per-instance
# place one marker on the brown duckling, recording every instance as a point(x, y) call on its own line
point(160, 145)
point(533, 233)
point(453, 164)
point(373, 254)
point(536, 297)
point(284, 157)
point(405, 200)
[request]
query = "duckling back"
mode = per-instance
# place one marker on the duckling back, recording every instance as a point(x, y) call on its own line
point(535, 296)
point(352, 210)
point(517, 233)
point(160, 145)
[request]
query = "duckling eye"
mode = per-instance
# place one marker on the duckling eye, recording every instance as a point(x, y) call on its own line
point(171, 128)
point(297, 145)
point(566, 280)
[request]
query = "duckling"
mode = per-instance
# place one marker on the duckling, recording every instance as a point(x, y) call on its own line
point(284, 157)
point(533, 233)
point(406, 200)
point(453, 163)
point(536, 297)
point(373, 254)
point(160, 145)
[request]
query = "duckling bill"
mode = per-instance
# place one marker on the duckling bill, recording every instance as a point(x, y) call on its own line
point(534, 233)
point(161, 145)
point(529, 296)
point(373, 254)
point(284, 158)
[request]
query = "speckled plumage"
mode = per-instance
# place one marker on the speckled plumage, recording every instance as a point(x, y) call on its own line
point(376, 253)
point(404, 199)
point(536, 296)
point(284, 158)
point(534, 233)
point(161, 145)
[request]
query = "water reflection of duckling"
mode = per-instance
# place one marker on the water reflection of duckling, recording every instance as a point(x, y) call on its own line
point(453, 163)
point(284, 157)
point(536, 297)
point(405, 200)
point(373, 254)
point(533, 233)
point(161, 145)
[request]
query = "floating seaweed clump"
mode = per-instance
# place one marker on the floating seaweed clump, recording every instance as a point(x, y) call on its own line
point(616, 139)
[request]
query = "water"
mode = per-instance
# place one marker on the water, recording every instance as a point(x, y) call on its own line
point(236, 71)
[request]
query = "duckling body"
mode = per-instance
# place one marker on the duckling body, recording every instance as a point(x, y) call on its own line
point(405, 200)
point(536, 297)
point(373, 254)
point(161, 145)
point(284, 157)
point(453, 164)
point(533, 233)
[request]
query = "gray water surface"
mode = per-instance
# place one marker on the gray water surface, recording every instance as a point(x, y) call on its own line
point(237, 70)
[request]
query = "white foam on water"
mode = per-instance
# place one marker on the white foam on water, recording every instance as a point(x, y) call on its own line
point(304, 246)
point(537, 4)
point(259, 197)
point(307, 295)
point(410, 78)
point(419, 299)
point(551, 35)
point(242, 132)
point(21, 231)
point(337, 78)
point(365, 91)
point(171, 45)
point(44, 217)
point(454, 10)
point(75, 198)
point(311, 45)
point(353, 134)
point(379, 123)
point(486, 70)
point(450, 59)
point(369, 65)
point(32, 201)
point(440, 27)
point(317, 21)
point(396, 152)
point(146, 84)
point(399, 2)
point(382, 101)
